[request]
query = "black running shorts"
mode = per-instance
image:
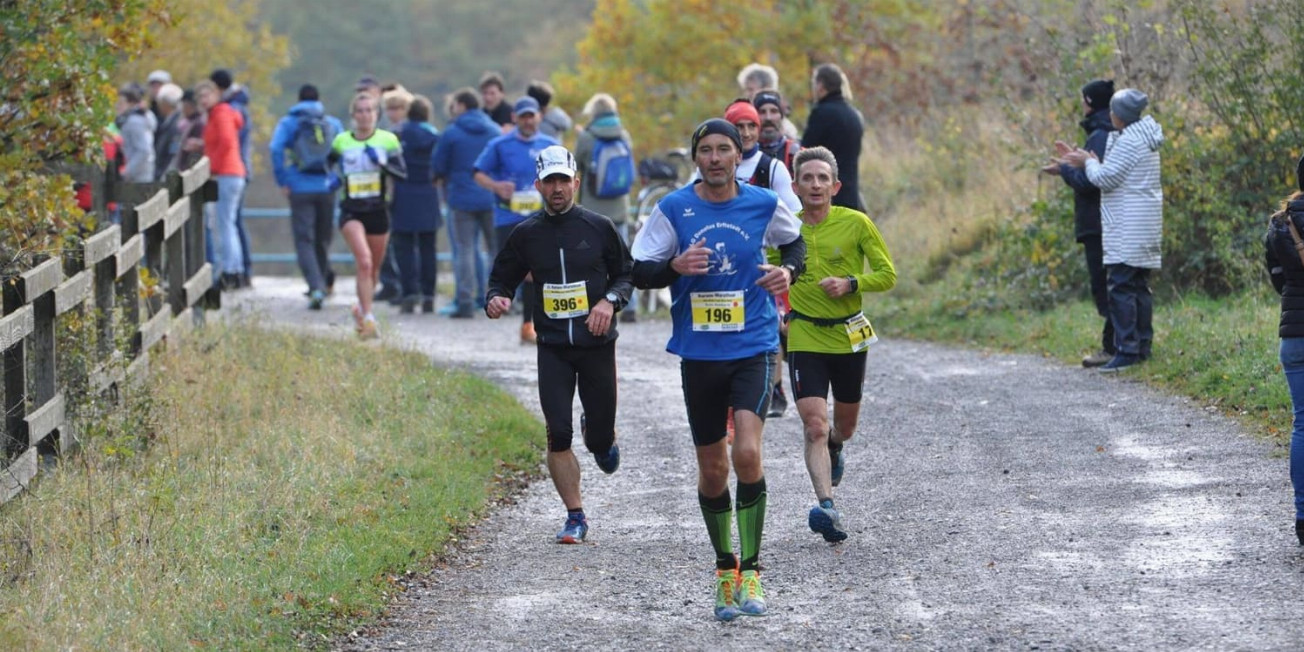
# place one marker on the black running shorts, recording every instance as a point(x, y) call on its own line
point(811, 374)
point(373, 222)
point(711, 387)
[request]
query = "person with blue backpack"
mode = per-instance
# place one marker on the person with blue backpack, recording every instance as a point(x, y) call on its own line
point(300, 147)
point(605, 153)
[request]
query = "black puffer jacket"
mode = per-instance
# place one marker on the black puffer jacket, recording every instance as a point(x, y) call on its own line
point(1285, 268)
point(578, 245)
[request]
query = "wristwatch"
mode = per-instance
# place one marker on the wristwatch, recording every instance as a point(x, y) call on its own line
point(792, 273)
point(855, 285)
point(613, 299)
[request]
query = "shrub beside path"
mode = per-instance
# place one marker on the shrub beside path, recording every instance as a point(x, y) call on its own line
point(993, 501)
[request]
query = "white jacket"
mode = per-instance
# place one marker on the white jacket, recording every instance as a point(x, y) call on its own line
point(1131, 197)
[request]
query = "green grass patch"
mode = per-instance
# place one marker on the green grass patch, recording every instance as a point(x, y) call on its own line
point(1222, 352)
point(264, 491)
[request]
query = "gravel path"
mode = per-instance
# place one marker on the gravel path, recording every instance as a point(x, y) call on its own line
point(993, 501)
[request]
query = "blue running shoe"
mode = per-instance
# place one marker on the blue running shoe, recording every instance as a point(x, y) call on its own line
point(576, 527)
point(751, 597)
point(609, 462)
point(825, 521)
point(726, 595)
point(837, 464)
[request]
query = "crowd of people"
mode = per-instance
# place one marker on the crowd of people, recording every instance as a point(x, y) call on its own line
point(160, 127)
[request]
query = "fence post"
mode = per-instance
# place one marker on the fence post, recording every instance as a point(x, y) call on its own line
point(15, 370)
point(175, 237)
point(128, 272)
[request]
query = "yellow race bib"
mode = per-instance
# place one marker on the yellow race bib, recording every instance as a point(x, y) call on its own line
point(860, 333)
point(565, 300)
point(719, 312)
point(363, 185)
point(525, 202)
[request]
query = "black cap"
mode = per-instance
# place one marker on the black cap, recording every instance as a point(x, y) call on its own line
point(222, 77)
point(716, 126)
point(768, 96)
point(308, 93)
point(1097, 93)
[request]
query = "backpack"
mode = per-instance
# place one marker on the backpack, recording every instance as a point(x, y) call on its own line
point(764, 169)
point(611, 168)
point(657, 169)
point(313, 138)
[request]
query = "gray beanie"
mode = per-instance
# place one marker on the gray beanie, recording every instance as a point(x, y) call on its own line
point(1128, 104)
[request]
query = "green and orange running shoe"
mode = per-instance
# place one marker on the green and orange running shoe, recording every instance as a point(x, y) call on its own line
point(751, 596)
point(726, 592)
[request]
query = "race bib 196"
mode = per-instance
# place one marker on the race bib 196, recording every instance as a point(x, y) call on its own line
point(364, 184)
point(718, 311)
point(525, 202)
point(860, 333)
point(565, 300)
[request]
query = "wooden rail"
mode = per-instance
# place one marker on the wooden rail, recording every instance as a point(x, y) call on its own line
point(162, 230)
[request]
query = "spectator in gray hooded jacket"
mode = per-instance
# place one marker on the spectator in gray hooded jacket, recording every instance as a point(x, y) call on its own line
point(136, 125)
point(1131, 220)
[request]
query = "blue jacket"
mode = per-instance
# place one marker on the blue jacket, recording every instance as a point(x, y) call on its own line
point(511, 158)
point(416, 200)
point(287, 175)
point(454, 160)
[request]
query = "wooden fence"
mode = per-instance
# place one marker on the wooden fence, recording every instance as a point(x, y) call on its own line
point(161, 230)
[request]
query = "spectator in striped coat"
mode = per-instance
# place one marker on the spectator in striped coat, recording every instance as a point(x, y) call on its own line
point(1131, 220)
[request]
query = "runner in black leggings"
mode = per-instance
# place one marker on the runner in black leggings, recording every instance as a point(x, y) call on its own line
point(581, 271)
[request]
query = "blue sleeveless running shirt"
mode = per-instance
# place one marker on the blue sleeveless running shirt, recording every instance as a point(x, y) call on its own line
point(723, 315)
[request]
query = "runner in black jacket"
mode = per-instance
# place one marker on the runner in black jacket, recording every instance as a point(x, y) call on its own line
point(581, 270)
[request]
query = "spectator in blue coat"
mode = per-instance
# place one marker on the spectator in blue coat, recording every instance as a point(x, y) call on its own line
point(306, 185)
point(415, 215)
point(471, 207)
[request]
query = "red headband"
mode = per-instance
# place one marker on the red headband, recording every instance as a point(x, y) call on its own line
point(740, 111)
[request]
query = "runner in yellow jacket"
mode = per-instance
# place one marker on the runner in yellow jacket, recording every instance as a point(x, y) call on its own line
point(828, 334)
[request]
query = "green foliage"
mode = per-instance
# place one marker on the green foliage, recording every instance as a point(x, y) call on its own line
point(233, 36)
point(279, 502)
point(55, 57)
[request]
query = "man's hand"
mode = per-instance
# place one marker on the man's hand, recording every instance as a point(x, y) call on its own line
point(1062, 149)
point(695, 260)
point(1052, 168)
point(599, 321)
point(504, 189)
point(497, 307)
point(775, 280)
point(835, 286)
point(1078, 157)
point(193, 145)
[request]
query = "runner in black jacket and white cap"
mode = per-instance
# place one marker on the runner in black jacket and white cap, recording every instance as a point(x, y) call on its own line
point(581, 270)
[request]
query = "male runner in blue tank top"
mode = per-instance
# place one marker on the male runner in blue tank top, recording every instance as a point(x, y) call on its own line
point(707, 242)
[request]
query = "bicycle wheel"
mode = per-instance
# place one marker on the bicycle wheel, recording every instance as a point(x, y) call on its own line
point(647, 200)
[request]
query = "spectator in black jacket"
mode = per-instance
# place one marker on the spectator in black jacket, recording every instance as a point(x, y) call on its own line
point(837, 125)
point(1086, 205)
point(1285, 262)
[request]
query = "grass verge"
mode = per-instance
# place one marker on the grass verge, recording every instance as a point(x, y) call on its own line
point(265, 491)
point(1222, 352)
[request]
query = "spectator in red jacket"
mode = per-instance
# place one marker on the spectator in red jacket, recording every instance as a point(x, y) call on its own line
point(222, 146)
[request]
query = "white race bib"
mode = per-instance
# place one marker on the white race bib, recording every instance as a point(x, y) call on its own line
point(719, 312)
point(860, 333)
point(565, 300)
point(525, 202)
point(363, 185)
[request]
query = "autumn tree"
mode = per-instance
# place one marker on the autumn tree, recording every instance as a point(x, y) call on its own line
point(55, 59)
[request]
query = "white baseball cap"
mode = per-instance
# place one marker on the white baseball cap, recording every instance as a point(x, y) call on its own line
point(160, 76)
point(555, 160)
